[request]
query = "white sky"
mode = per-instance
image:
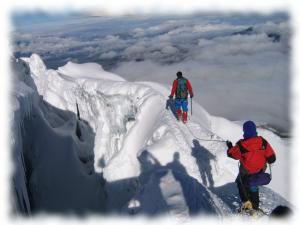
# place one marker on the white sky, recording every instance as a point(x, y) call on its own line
point(131, 7)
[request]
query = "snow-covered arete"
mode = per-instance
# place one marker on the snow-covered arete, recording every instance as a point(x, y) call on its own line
point(128, 134)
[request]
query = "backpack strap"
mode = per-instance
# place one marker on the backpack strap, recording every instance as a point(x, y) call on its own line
point(243, 150)
point(264, 144)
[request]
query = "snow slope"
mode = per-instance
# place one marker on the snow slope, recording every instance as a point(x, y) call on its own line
point(152, 164)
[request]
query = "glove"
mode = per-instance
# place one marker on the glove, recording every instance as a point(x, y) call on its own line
point(229, 144)
point(170, 97)
point(191, 95)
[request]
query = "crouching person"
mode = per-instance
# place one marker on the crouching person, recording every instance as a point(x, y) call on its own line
point(253, 153)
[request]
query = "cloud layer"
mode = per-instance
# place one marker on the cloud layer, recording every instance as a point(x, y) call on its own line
point(238, 64)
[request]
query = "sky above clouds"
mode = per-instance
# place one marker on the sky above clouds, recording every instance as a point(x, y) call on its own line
point(238, 63)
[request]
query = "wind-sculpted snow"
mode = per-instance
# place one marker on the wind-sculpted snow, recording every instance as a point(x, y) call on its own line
point(108, 106)
point(53, 163)
point(22, 101)
point(23, 97)
point(87, 70)
point(98, 124)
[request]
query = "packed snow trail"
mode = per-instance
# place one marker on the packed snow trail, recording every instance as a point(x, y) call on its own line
point(141, 149)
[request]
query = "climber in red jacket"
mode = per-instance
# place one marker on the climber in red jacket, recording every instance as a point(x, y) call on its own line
point(253, 152)
point(181, 87)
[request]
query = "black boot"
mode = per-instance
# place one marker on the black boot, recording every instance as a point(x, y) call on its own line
point(254, 198)
point(243, 191)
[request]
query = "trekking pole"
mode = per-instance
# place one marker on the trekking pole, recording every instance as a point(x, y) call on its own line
point(191, 106)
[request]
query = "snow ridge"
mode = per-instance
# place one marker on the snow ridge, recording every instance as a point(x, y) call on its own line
point(126, 133)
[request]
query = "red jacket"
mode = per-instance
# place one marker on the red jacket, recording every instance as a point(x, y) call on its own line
point(188, 84)
point(253, 153)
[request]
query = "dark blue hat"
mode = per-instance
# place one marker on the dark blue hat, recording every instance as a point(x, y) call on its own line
point(249, 129)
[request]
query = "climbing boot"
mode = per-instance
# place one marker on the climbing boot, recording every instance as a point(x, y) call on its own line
point(185, 117)
point(246, 206)
point(179, 114)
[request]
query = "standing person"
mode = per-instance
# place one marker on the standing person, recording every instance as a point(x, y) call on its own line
point(181, 87)
point(253, 152)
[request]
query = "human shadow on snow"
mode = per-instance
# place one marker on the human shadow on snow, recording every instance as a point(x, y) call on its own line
point(170, 105)
point(196, 197)
point(203, 159)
